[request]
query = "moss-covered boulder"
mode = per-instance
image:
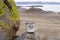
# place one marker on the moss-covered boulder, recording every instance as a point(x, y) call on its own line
point(9, 19)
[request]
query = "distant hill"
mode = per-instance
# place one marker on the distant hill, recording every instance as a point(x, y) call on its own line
point(34, 10)
point(37, 10)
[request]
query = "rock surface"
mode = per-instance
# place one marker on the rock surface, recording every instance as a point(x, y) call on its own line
point(9, 19)
point(28, 36)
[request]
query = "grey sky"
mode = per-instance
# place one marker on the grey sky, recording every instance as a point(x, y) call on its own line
point(39, 0)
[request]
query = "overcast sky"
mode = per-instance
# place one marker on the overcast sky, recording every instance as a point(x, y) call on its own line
point(38, 0)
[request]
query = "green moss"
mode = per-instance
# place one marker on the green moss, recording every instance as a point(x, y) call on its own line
point(2, 12)
point(1, 24)
point(1, 4)
point(14, 11)
point(9, 15)
point(1, 8)
point(8, 27)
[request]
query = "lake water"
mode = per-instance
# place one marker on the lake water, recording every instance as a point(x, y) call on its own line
point(55, 8)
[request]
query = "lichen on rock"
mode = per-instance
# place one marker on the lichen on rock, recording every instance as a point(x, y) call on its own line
point(9, 18)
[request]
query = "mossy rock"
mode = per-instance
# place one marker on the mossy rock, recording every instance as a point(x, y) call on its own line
point(9, 18)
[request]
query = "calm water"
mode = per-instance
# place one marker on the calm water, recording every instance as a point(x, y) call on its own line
point(55, 8)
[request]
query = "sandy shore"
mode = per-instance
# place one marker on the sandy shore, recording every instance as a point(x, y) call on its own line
point(47, 23)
